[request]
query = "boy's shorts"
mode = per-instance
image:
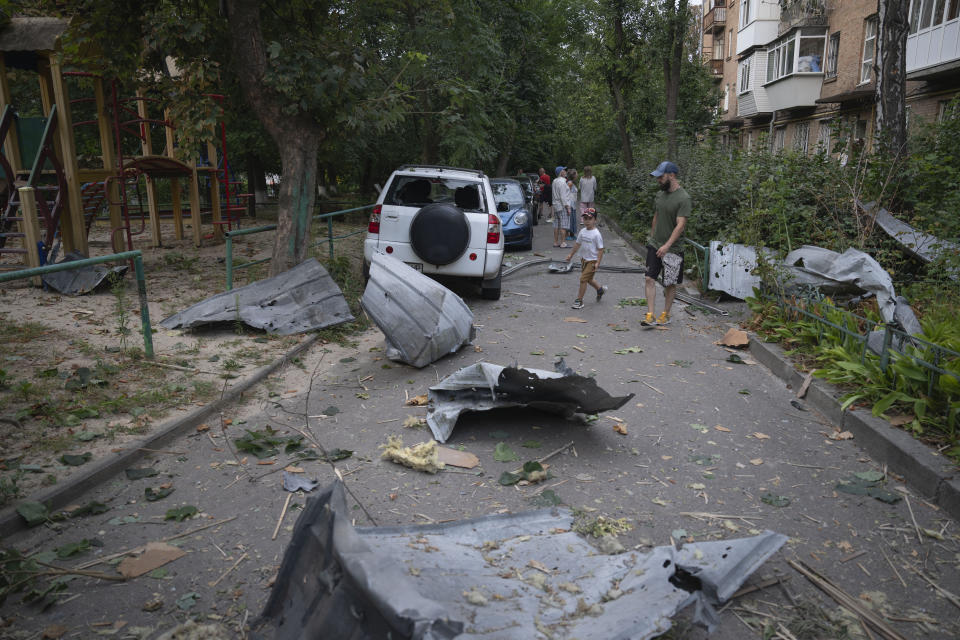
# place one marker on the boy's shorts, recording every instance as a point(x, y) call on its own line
point(588, 269)
point(655, 266)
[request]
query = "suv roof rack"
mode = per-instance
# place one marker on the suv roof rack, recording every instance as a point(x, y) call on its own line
point(440, 167)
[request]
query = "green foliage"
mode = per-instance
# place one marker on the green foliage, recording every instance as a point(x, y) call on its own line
point(905, 386)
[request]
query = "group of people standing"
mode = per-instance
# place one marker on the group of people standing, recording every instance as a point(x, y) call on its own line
point(567, 193)
point(563, 197)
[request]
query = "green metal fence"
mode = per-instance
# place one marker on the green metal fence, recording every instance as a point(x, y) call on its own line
point(137, 258)
point(230, 235)
point(854, 331)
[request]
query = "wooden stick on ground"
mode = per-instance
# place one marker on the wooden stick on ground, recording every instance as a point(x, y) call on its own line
point(120, 554)
point(915, 525)
point(282, 515)
point(847, 601)
point(224, 574)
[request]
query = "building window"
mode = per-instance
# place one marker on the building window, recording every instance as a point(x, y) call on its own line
point(729, 43)
point(833, 52)
point(718, 54)
point(779, 136)
point(800, 52)
point(750, 141)
point(931, 13)
point(823, 137)
point(745, 75)
point(946, 110)
point(801, 137)
point(869, 48)
point(726, 98)
point(745, 17)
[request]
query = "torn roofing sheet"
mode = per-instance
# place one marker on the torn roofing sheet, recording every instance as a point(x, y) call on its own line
point(81, 280)
point(301, 299)
point(523, 576)
point(421, 319)
point(484, 386)
point(823, 267)
point(922, 245)
point(732, 268)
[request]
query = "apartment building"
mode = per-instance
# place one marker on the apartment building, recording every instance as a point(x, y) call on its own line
point(802, 71)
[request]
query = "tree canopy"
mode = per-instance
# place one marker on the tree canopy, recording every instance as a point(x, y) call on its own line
point(346, 90)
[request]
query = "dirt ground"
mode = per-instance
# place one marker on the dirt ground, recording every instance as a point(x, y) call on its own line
point(74, 385)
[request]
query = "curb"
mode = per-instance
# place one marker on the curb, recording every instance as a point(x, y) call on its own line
point(61, 495)
point(923, 470)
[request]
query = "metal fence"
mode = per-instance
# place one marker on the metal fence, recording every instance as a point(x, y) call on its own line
point(230, 235)
point(873, 339)
point(134, 256)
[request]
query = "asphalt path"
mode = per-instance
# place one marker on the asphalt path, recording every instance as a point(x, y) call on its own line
point(706, 440)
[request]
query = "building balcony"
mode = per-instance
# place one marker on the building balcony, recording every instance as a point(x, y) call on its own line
point(934, 51)
point(801, 13)
point(716, 68)
point(794, 91)
point(715, 20)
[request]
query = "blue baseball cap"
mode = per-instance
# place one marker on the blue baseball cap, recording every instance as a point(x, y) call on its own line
point(665, 167)
point(559, 169)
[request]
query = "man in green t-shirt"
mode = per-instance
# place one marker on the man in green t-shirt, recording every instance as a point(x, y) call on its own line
point(671, 210)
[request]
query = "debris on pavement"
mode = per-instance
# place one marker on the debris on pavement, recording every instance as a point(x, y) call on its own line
point(484, 386)
point(807, 379)
point(735, 339)
point(421, 319)
point(76, 282)
point(733, 268)
point(293, 482)
point(154, 556)
point(299, 300)
point(362, 582)
point(421, 457)
point(455, 458)
point(922, 245)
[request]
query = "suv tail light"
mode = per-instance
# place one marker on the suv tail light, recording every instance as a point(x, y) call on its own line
point(493, 229)
point(374, 226)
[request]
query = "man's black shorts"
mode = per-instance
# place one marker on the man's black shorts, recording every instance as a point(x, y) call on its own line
point(655, 266)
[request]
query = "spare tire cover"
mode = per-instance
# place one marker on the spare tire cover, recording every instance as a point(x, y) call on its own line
point(439, 233)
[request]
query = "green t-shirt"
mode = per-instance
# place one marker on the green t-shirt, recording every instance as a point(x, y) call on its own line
point(669, 207)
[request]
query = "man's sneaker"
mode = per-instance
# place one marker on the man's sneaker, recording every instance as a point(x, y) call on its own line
point(600, 292)
point(577, 304)
point(664, 318)
point(648, 320)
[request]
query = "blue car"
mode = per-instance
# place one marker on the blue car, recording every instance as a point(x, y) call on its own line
point(514, 210)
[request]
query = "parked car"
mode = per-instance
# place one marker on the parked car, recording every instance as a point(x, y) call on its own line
point(517, 219)
point(531, 188)
point(440, 221)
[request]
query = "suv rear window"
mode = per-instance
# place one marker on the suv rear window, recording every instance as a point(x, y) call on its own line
point(417, 191)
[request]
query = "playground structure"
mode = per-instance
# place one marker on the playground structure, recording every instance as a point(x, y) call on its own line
point(51, 195)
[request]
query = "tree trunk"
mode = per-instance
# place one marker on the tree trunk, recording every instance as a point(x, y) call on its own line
point(503, 162)
point(619, 83)
point(297, 136)
point(676, 18)
point(891, 92)
point(620, 115)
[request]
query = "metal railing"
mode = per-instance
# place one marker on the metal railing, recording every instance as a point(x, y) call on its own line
point(854, 329)
point(230, 235)
point(137, 258)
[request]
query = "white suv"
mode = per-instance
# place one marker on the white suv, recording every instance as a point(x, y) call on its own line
point(439, 220)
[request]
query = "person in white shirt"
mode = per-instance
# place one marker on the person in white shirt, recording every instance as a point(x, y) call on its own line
point(590, 246)
point(588, 189)
point(561, 208)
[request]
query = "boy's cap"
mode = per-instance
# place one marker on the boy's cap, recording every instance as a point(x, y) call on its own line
point(665, 167)
point(590, 212)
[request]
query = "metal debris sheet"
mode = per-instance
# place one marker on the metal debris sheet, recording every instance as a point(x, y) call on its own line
point(520, 576)
point(421, 319)
point(299, 300)
point(484, 386)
